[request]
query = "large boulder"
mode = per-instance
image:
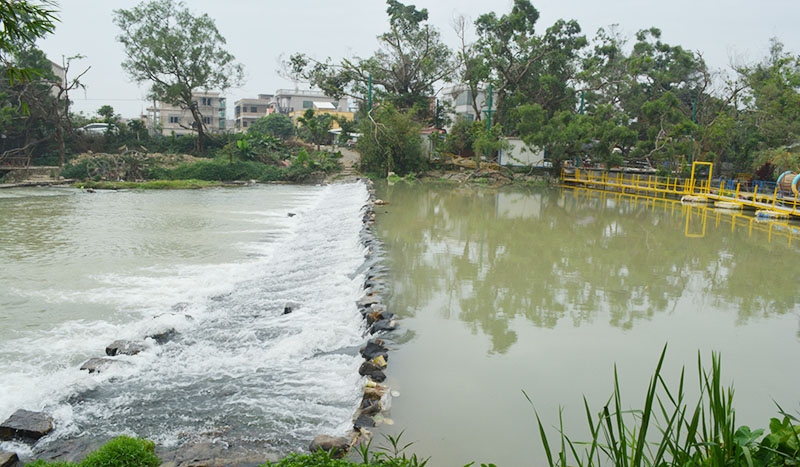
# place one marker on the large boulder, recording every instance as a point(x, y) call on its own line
point(8, 459)
point(26, 425)
point(98, 365)
point(336, 445)
point(363, 421)
point(125, 348)
point(384, 325)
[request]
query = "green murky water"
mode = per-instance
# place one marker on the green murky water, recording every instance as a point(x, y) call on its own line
point(544, 291)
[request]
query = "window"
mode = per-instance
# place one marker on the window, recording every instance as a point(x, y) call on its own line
point(308, 104)
point(464, 98)
point(206, 101)
point(238, 110)
point(207, 120)
point(244, 122)
point(253, 109)
point(173, 119)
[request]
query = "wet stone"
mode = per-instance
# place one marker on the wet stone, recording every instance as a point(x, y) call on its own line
point(164, 336)
point(384, 325)
point(363, 421)
point(373, 371)
point(337, 445)
point(8, 459)
point(98, 365)
point(370, 406)
point(125, 348)
point(26, 425)
point(373, 349)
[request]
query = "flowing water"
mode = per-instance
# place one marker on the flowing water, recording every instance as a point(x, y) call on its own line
point(501, 291)
point(218, 266)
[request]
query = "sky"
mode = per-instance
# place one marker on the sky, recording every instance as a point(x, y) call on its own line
point(260, 32)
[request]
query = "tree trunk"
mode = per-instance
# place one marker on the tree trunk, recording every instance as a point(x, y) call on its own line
point(60, 140)
point(201, 134)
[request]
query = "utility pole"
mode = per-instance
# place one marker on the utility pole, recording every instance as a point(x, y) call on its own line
point(582, 93)
point(489, 119)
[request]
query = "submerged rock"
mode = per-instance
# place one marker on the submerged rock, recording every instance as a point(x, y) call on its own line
point(373, 371)
point(26, 425)
point(373, 349)
point(98, 365)
point(8, 459)
point(125, 348)
point(336, 445)
point(164, 336)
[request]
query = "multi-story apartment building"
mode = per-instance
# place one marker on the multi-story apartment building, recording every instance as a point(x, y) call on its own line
point(247, 111)
point(460, 97)
point(167, 119)
point(286, 101)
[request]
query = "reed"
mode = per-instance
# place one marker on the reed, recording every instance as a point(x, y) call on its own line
point(670, 431)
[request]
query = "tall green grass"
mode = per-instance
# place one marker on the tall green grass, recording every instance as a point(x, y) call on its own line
point(669, 430)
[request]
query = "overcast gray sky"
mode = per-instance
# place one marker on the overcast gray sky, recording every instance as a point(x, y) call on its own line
point(258, 32)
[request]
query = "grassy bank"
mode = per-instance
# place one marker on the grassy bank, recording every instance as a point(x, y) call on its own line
point(152, 185)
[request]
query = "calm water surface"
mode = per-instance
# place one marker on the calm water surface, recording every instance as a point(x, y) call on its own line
point(544, 291)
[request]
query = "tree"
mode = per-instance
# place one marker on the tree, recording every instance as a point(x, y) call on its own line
point(22, 23)
point(473, 70)
point(410, 59)
point(390, 142)
point(178, 53)
point(276, 125)
point(317, 126)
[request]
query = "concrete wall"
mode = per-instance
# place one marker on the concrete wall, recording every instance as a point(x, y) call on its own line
point(519, 154)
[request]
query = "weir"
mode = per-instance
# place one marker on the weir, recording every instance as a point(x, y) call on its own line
point(775, 203)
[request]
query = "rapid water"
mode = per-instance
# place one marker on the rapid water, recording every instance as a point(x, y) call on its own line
point(81, 270)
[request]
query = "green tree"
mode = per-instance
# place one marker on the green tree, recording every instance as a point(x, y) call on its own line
point(316, 126)
point(107, 112)
point(22, 22)
point(276, 125)
point(411, 58)
point(390, 142)
point(178, 53)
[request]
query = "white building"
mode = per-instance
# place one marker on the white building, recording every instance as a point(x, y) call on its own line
point(286, 101)
point(246, 111)
point(460, 97)
point(520, 154)
point(167, 119)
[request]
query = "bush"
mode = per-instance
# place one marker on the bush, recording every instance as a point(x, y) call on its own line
point(221, 171)
point(122, 451)
point(276, 125)
point(391, 144)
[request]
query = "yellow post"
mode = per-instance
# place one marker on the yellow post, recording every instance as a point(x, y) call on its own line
point(737, 191)
point(775, 197)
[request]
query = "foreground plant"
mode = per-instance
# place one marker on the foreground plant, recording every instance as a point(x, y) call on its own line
point(667, 431)
point(122, 451)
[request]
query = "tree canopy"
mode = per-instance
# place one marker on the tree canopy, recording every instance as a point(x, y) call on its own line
point(178, 53)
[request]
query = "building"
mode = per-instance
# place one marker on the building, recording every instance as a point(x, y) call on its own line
point(286, 101)
point(517, 153)
point(460, 98)
point(168, 119)
point(247, 111)
point(326, 108)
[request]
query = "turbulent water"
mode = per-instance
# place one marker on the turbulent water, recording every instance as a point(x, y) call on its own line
point(81, 270)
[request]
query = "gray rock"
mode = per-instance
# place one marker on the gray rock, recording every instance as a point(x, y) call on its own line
point(384, 325)
point(125, 348)
point(336, 445)
point(367, 301)
point(370, 406)
point(97, 365)
point(373, 349)
point(26, 425)
point(373, 371)
point(363, 421)
point(8, 459)
point(164, 336)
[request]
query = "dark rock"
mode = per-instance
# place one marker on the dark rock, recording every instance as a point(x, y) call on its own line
point(373, 349)
point(363, 421)
point(336, 445)
point(291, 214)
point(164, 336)
point(384, 325)
point(289, 307)
point(287, 310)
point(125, 348)
point(74, 450)
point(8, 459)
point(373, 371)
point(370, 406)
point(26, 425)
point(378, 313)
point(368, 300)
point(98, 365)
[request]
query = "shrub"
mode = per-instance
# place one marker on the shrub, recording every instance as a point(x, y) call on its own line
point(220, 170)
point(122, 451)
point(392, 143)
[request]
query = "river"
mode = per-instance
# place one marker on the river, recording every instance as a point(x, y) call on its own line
point(501, 291)
point(80, 270)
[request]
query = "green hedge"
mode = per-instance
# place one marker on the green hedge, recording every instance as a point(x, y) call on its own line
point(122, 451)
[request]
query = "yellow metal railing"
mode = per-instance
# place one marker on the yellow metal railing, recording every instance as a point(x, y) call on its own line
point(662, 186)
